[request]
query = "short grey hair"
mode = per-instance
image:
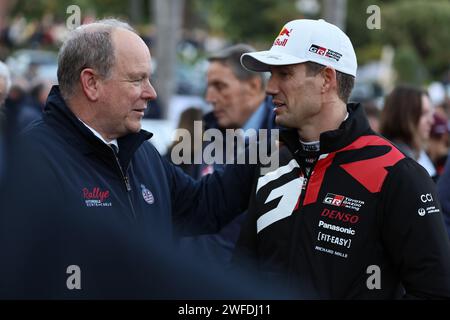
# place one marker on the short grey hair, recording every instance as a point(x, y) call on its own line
point(6, 75)
point(231, 57)
point(88, 46)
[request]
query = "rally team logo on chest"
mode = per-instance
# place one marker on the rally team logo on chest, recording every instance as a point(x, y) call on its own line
point(343, 201)
point(147, 195)
point(96, 197)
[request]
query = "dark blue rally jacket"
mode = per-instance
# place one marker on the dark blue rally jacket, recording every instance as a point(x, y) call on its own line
point(66, 187)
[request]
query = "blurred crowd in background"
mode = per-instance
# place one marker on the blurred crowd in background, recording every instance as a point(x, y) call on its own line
point(29, 45)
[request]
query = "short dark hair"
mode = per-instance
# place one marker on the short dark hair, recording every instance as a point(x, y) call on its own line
point(231, 57)
point(401, 114)
point(345, 82)
point(87, 48)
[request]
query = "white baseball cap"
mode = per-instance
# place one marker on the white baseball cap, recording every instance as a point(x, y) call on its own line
point(306, 40)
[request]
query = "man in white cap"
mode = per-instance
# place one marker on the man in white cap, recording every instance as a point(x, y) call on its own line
point(346, 214)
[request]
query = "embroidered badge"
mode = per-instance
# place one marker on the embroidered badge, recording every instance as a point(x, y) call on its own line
point(147, 195)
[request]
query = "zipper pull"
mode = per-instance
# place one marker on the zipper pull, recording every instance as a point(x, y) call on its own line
point(127, 182)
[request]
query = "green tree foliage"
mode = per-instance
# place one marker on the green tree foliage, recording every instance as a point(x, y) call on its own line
point(250, 21)
point(409, 67)
point(423, 26)
point(417, 29)
point(419, 26)
point(35, 9)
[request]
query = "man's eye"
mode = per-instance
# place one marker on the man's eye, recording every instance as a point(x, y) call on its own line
point(136, 81)
point(220, 86)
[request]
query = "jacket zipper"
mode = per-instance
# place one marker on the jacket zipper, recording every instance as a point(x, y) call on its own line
point(291, 273)
point(126, 180)
point(305, 176)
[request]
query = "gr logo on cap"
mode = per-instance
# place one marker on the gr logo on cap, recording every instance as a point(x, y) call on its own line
point(306, 40)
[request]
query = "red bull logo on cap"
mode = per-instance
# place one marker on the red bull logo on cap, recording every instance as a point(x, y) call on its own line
point(282, 42)
point(285, 32)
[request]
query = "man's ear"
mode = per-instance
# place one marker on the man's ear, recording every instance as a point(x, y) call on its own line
point(89, 83)
point(255, 86)
point(329, 79)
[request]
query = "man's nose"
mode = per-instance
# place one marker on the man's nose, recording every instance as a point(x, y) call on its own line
point(148, 92)
point(210, 96)
point(272, 86)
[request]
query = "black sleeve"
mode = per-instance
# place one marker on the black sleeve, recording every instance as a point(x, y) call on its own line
point(413, 232)
point(206, 205)
point(443, 187)
point(245, 252)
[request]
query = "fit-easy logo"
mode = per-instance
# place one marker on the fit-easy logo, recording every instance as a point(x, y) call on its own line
point(342, 201)
point(96, 197)
point(325, 52)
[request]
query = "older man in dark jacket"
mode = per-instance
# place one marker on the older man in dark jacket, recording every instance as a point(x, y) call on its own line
point(86, 176)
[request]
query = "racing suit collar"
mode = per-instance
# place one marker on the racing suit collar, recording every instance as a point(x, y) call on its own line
point(333, 140)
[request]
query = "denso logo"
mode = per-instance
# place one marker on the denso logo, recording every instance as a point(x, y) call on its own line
point(341, 216)
point(333, 199)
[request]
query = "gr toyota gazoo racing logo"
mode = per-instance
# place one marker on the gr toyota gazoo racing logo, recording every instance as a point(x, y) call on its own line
point(333, 199)
point(343, 201)
point(325, 52)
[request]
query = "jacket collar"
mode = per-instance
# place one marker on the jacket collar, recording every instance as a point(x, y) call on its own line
point(330, 141)
point(60, 117)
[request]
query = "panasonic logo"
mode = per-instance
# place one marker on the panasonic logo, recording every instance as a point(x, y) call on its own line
point(336, 228)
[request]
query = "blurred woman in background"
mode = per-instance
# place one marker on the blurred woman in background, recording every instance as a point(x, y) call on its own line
point(189, 132)
point(406, 120)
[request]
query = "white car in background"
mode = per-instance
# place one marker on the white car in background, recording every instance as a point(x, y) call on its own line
point(45, 62)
